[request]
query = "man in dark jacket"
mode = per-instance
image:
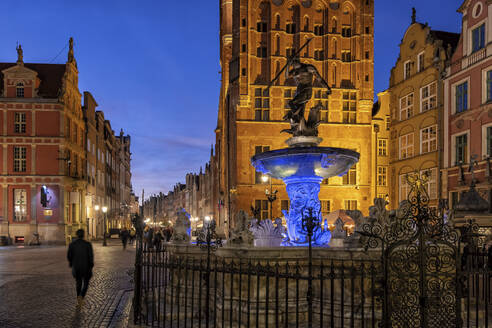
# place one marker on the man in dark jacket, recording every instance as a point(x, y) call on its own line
point(81, 260)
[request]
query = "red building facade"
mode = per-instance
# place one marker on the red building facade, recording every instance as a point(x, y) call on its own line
point(59, 161)
point(468, 106)
point(42, 150)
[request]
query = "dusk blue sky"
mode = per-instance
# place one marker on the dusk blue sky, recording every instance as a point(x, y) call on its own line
point(153, 66)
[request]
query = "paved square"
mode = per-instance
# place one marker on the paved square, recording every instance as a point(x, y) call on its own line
point(37, 288)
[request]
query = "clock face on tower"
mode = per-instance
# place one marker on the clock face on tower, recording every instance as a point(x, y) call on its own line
point(278, 2)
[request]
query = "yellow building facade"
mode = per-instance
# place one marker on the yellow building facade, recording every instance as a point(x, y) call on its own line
point(415, 96)
point(256, 39)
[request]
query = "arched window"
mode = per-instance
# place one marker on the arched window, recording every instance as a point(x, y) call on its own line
point(306, 53)
point(306, 24)
point(20, 90)
point(277, 22)
point(334, 75)
point(335, 50)
point(278, 46)
point(334, 25)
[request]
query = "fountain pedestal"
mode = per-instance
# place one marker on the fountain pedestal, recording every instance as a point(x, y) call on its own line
point(302, 167)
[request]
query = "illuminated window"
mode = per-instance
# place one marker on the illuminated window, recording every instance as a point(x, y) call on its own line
point(428, 137)
point(20, 122)
point(262, 104)
point(259, 150)
point(428, 97)
point(350, 205)
point(406, 107)
point(321, 99)
point(404, 188)
point(262, 206)
point(20, 159)
point(20, 205)
point(20, 90)
point(325, 207)
point(382, 176)
point(406, 146)
point(382, 147)
point(351, 177)
point(349, 108)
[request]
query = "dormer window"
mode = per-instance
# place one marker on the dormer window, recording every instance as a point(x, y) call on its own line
point(20, 90)
point(478, 38)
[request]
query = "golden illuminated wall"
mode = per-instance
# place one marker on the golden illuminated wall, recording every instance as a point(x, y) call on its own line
point(256, 37)
point(416, 108)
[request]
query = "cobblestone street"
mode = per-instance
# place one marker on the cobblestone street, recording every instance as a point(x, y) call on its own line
point(37, 288)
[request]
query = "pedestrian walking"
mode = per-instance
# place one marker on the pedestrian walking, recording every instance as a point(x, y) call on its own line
point(124, 237)
point(158, 239)
point(81, 259)
point(133, 234)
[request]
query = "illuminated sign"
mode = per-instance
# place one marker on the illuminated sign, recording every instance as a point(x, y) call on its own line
point(48, 212)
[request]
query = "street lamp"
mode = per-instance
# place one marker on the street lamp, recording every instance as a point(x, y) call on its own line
point(271, 194)
point(104, 209)
point(96, 208)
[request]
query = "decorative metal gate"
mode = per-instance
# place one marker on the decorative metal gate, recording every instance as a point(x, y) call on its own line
point(420, 260)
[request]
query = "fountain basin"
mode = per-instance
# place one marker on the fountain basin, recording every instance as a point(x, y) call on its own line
point(289, 163)
point(302, 169)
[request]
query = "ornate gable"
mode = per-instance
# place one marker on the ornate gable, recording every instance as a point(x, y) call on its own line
point(17, 77)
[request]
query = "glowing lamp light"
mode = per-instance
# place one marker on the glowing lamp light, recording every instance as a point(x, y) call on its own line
point(96, 207)
point(264, 178)
point(104, 209)
point(147, 220)
point(170, 222)
point(207, 218)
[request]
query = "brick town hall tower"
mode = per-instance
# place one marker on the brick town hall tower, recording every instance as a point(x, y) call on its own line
point(256, 38)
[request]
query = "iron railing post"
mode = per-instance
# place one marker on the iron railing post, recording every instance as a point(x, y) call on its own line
point(309, 222)
point(137, 296)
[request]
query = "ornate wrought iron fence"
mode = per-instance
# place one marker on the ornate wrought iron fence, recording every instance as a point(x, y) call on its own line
point(246, 293)
point(428, 275)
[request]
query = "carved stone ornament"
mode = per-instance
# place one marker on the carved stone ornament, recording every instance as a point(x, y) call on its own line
point(266, 234)
point(304, 196)
point(460, 123)
point(278, 2)
point(241, 235)
point(182, 228)
point(307, 3)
